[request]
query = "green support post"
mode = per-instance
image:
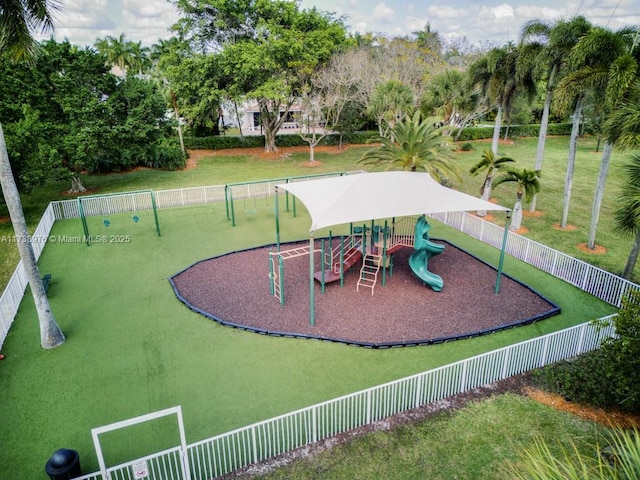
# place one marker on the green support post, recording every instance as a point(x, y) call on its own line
point(281, 278)
point(312, 313)
point(504, 245)
point(85, 227)
point(341, 262)
point(155, 212)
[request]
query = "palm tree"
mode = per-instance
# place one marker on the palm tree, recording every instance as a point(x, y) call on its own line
point(528, 185)
point(499, 79)
point(390, 101)
point(124, 54)
point(416, 145)
point(548, 46)
point(17, 19)
point(627, 214)
point(489, 165)
point(609, 68)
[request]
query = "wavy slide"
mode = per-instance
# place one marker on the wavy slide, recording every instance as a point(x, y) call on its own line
point(424, 250)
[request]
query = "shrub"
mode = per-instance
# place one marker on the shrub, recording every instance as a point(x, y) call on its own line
point(466, 147)
point(609, 377)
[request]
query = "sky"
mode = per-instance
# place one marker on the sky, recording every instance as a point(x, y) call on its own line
point(480, 22)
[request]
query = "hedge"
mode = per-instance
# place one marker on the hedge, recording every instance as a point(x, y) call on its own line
point(515, 131)
point(285, 140)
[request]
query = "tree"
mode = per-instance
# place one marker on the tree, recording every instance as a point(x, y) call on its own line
point(627, 213)
point(489, 165)
point(548, 46)
point(528, 185)
point(268, 50)
point(126, 55)
point(429, 41)
point(18, 20)
point(416, 145)
point(608, 67)
point(498, 78)
point(16, 25)
point(166, 55)
point(391, 101)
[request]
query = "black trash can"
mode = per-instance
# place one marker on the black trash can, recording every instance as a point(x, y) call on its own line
point(64, 464)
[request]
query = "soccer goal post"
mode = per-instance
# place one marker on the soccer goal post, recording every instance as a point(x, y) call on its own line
point(116, 203)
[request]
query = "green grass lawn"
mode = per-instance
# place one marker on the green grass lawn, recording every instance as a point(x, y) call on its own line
point(132, 347)
point(482, 441)
point(220, 170)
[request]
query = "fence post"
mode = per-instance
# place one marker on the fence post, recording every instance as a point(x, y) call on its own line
point(545, 349)
point(418, 395)
point(255, 444)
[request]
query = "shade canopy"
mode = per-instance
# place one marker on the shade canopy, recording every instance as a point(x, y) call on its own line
point(370, 196)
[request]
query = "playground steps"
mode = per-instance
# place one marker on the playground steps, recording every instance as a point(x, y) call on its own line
point(369, 272)
point(351, 257)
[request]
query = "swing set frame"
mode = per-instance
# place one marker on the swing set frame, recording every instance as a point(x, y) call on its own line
point(110, 203)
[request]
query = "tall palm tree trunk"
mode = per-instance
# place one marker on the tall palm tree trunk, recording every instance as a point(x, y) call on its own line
point(496, 131)
point(571, 161)
point(633, 258)
point(597, 199)
point(542, 140)
point(50, 334)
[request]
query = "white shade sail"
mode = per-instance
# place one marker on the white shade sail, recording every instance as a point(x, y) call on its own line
point(371, 196)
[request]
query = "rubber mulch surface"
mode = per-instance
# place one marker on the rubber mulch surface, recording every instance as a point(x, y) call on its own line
point(234, 289)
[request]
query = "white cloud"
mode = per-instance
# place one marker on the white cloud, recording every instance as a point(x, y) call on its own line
point(502, 11)
point(382, 13)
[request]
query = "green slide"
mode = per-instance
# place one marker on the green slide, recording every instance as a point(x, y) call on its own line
point(424, 250)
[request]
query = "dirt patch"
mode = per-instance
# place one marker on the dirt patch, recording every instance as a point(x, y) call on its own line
point(259, 153)
point(521, 231)
point(597, 250)
point(608, 418)
point(536, 214)
point(568, 228)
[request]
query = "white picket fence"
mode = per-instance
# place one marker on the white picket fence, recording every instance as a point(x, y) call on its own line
point(233, 450)
point(240, 448)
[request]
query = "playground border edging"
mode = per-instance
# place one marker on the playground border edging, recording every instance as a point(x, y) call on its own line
point(555, 310)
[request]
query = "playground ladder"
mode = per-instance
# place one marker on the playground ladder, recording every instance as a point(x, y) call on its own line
point(369, 271)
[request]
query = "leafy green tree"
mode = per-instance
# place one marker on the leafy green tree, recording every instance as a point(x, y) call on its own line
point(268, 50)
point(627, 213)
point(528, 185)
point(17, 22)
point(488, 165)
point(416, 145)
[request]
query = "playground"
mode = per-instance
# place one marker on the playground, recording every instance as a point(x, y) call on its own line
point(235, 290)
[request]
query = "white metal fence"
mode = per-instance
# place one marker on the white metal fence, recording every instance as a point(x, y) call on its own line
point(236, 449)
point(601, 284)
point(13, 293)
point(239, 448)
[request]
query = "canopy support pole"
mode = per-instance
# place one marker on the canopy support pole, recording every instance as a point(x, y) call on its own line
point(277, 222)
point(504, 245)
point(312, 263)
